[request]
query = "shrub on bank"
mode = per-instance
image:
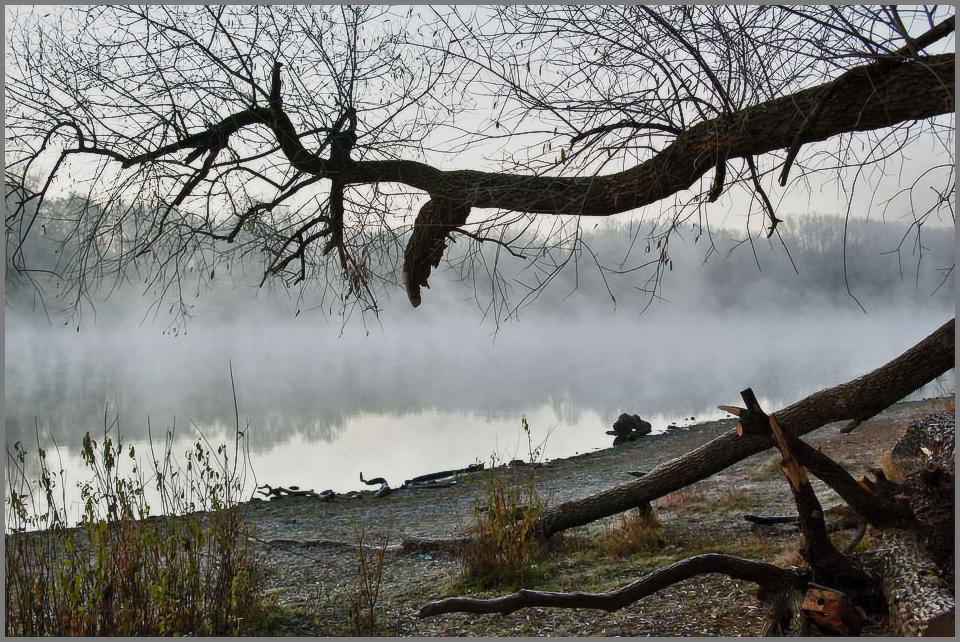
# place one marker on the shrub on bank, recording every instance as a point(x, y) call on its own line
point(504, 547)
point(118, 572)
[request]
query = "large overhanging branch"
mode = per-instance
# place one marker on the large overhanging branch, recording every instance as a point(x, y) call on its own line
point(916, 89)
point(874, 96)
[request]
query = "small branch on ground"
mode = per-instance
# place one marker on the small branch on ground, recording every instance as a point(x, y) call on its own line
point(769, 577)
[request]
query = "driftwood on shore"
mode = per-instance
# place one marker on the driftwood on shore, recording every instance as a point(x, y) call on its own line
point(914, 577)
point(443, 474)
point(293, 491)
point(422, 482)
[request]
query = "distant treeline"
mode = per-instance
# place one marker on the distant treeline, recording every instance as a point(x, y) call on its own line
point(811, 261)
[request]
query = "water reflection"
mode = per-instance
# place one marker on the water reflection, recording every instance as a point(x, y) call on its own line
point(419, 398)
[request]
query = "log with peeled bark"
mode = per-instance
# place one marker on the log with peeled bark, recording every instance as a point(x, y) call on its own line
point(861, 397)
point(831, 610)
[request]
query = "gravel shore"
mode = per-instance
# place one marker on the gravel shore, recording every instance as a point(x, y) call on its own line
point(315, 577)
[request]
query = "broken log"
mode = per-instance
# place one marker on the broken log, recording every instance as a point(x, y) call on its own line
point(753, 420)
point(931, 438)
point(875, 502)
point(818, 551)
point(864, 396)
point(919, 601)
point(831, 610)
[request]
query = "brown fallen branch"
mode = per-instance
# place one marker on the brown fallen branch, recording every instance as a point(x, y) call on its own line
point(818, 551)
point(879, 509)
point(863, 396)
point(769, 577)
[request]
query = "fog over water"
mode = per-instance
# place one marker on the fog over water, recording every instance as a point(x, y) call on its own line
point(436, 387)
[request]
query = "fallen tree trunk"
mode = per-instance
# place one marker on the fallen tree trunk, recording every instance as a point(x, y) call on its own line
point(863, 397)
point(912, 579)
point(920, 603)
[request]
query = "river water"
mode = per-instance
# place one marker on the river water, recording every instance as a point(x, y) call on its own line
point(320, 406)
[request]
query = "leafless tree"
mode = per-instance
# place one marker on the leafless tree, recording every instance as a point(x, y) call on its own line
point(306, 136)
point(191, 137)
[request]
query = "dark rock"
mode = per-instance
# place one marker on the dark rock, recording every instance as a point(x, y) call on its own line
point(627, 424)
point(629, 428)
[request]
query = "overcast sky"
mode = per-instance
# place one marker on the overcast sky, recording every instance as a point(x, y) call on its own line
point(876, 193)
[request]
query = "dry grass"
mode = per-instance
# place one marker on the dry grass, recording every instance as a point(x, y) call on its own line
point(789, 557)
point(192, 571)
point(892, 469)
point(769, 469)
point(504, 547)
point(638, 531)
point(365, 618)
point(683, 499)
point(704, 496)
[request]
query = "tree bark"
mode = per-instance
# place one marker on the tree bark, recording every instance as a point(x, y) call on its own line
point(874, 96)
point(881, 510)
point(864, 396)
point(919, 601)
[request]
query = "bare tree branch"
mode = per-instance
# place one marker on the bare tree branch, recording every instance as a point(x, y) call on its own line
point(770, 578)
